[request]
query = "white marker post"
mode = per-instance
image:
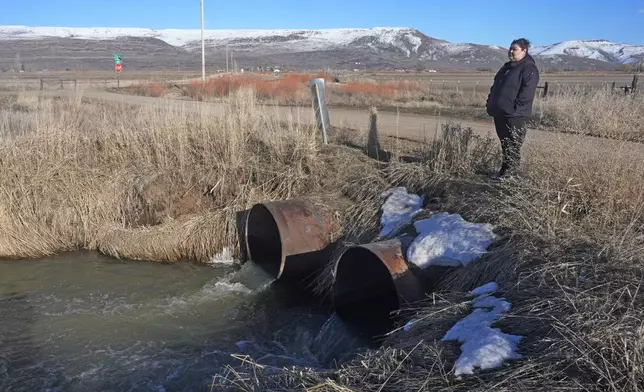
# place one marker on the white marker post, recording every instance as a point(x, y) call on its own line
point(319, 106)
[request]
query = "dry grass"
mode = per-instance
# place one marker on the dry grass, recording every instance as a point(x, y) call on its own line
point(568, 108)
point(151, 89)
point(571, 265)
point(294, 89)
point(289, 89)
point(164, 185)
point(598, 112)
point(150, 184)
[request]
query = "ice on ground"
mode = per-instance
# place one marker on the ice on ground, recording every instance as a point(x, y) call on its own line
point(483, 347)
point(223, 257)
point(409, 324)
point(398, 210)
point(487, 288)
point(448, 240)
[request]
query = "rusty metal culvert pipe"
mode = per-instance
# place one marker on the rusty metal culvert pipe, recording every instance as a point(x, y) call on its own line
point(372, 281)
point(290, 239)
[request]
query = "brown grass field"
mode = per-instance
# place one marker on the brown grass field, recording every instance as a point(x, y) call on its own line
point(574, 102)
point(164, 185)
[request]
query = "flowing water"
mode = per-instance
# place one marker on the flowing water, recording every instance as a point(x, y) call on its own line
point(84, 322)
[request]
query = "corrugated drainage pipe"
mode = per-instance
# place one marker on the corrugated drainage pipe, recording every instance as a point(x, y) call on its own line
point(290, 239)
point(372, 281)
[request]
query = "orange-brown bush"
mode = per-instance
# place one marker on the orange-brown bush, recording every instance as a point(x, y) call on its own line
point(291, 88)
point(152, 89)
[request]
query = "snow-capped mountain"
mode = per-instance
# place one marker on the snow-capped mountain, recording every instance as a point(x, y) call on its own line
point(405, 39)
point(594, 49)
point(379, 47)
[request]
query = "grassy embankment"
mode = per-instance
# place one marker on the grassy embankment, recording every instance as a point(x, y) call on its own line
point(164, 185)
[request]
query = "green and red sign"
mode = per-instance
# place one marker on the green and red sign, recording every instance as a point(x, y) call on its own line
point(118, 60)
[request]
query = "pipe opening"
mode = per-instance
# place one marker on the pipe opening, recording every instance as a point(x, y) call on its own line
point(263, 240)
point(364, 294)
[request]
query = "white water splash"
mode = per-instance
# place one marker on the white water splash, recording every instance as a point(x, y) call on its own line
point(223, 257)
point(224, 285)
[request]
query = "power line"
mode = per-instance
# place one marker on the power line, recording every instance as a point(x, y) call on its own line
point(203, 50)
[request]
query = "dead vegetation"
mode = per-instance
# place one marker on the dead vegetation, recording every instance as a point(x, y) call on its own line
point(571, 265)
point(164, 185)
point(596, 111)
point(151, 184)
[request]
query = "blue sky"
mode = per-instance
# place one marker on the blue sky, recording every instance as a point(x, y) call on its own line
point(486, 22)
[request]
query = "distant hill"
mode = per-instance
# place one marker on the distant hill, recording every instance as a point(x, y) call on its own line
point(59, 48)
point(595, 49)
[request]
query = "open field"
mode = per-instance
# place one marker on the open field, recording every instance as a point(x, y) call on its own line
point(569, 107)
point(147, 178)
point(465, 80)
point(484, 79)
point(104, 79)
point(419, 127)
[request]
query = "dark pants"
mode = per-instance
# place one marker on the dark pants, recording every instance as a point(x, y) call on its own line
point(511, 132)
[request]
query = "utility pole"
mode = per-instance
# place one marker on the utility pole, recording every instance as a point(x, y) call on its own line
point(203, 51)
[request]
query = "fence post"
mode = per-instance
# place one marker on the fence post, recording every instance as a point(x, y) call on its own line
point(612, 88)
point(634, 83)
point(61, 84)
point(74, 84)
point(319, 107)
point(545, 89)
point(41, 84)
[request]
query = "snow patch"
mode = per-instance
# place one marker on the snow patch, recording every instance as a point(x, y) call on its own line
point(483, 347)
point(415, 41)
point(448, 240)
point(457, 48)
point(409, 324)
point(487, 288)
point(399, 209)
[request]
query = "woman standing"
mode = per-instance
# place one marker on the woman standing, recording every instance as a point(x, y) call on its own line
point(510, 102)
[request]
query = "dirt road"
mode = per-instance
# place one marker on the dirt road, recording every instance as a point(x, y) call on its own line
point(404, 125)
point(410, 126)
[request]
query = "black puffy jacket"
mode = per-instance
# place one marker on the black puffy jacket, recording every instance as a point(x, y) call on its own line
point(513, 90)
